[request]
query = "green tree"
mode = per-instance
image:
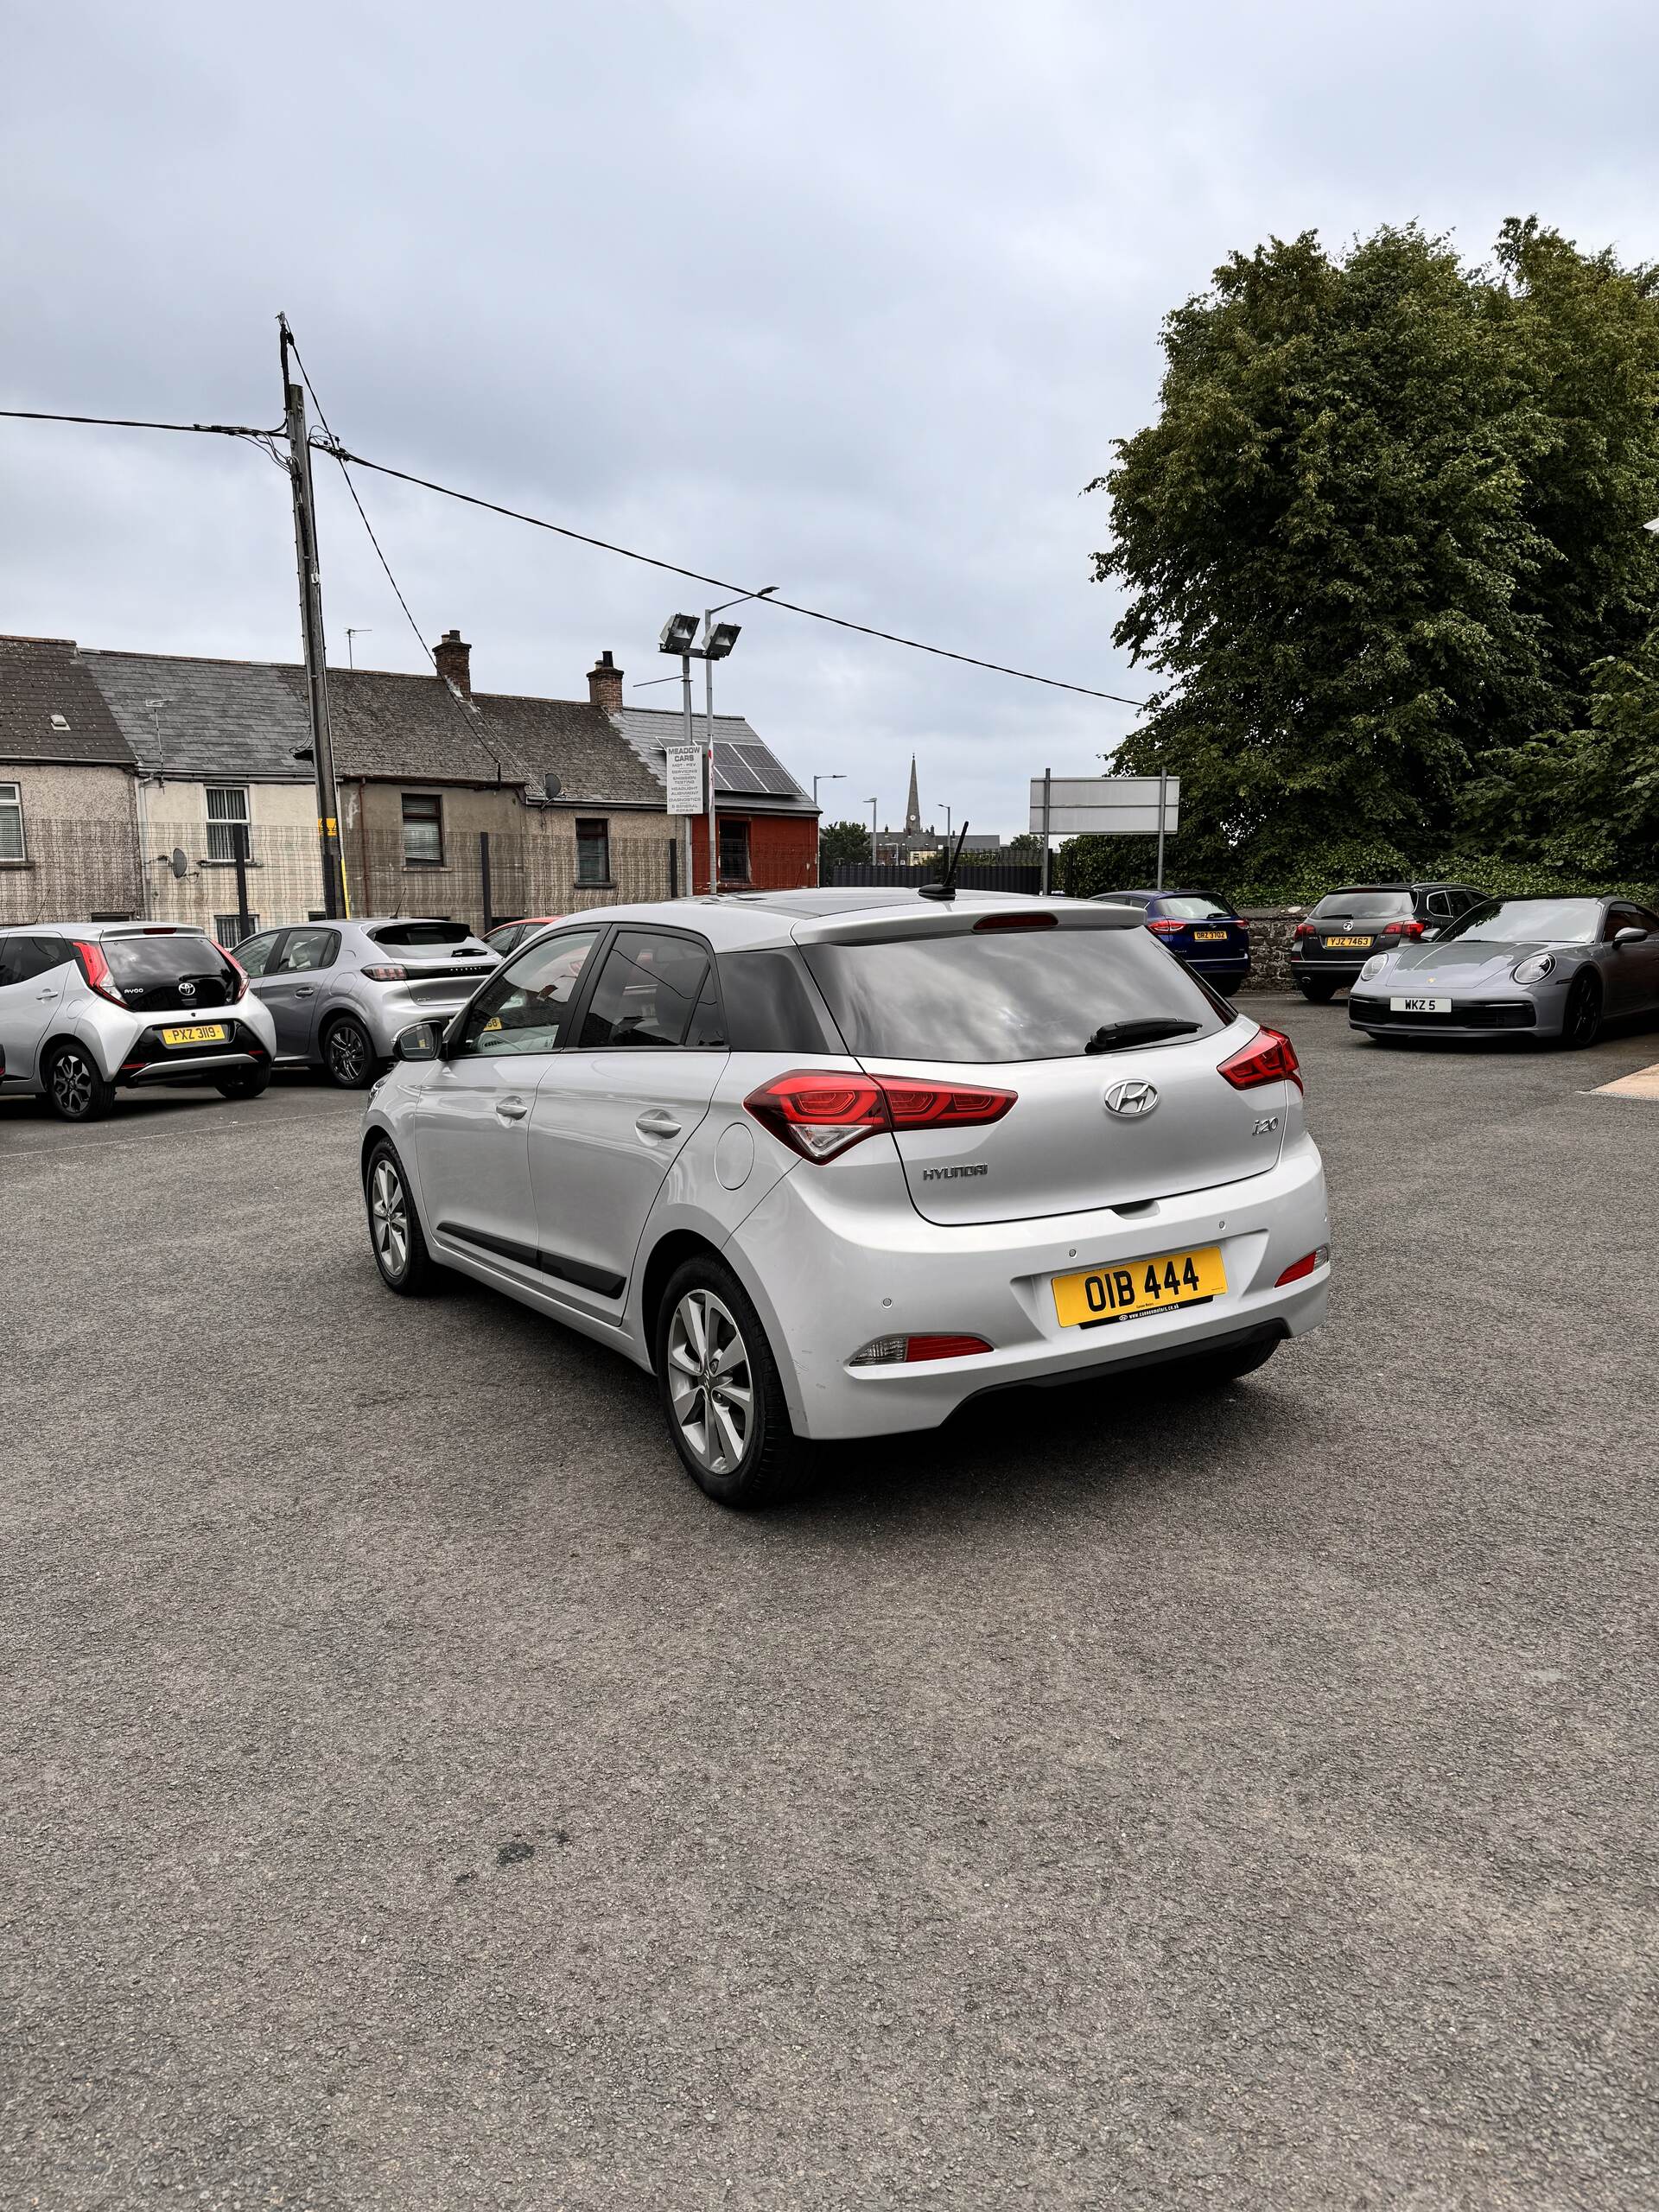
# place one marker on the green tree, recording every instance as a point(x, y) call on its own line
point(1385, 518)
point(842, 842)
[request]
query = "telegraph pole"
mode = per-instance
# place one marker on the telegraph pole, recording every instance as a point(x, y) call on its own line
point(316, 667)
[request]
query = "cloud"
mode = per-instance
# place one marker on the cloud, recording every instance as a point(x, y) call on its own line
point(853, 299)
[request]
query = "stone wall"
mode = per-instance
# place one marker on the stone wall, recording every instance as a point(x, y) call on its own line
point(1271, 930)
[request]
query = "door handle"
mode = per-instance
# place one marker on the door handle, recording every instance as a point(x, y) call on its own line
point(305, 990)
point(657, 1121)
point(512, 1109)
point(44, 996)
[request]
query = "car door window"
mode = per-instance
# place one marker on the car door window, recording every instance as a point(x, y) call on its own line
point(307, 951)
point(33, 955)
point(648, 990)
point(1620, 918)
point(525, 1007)
point(1439, 904)
point(254, 956)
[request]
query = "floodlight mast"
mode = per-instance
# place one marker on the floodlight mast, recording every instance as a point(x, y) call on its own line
point(677, 632)
point(717, 643)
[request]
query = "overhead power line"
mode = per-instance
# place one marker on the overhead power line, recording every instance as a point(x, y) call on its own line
point(724, 583)
point(332, 445)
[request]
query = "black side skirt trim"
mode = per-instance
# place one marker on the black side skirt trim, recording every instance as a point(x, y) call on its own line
point(548, 1264)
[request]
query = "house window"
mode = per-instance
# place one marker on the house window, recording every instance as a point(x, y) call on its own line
point(594, 853)
point(227, 929)
point(227, 821)
point(12, 823)
point(422, 829)
point(734, 850)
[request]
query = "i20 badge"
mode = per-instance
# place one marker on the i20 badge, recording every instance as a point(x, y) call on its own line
point(1130, 1100)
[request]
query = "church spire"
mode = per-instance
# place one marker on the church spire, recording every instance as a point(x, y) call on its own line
point(912, 805)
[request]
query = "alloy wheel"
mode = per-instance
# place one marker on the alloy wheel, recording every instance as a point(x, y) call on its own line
point(348, 1054)
point(710, 1384)
point(1583, 1013)
point(388, 1218)
point(72, 1086)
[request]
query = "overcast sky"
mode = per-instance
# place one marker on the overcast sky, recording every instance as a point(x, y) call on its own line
point(852, 298)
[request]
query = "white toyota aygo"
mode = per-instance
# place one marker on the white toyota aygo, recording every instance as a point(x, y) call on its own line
point(831, 1163)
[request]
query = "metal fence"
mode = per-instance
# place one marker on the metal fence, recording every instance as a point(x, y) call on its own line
point(177, 872)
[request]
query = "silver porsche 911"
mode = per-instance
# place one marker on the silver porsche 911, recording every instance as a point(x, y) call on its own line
point(1551, 967)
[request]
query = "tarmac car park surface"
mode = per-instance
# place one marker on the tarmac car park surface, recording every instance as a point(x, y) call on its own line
point(419, 1798)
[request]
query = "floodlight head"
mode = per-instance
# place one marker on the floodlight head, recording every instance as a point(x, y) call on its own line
point(721, 638)
point(678, 633)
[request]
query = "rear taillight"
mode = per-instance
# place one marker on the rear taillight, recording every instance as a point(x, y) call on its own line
point(904, 1351)
point(821, 1112)
point(386, 974)
point(1304, 929)
point(96, 969)
point(1268, 1058)
point(1304, 1266)
point(236, 969)
point(1164, 929)
point(1404, 929)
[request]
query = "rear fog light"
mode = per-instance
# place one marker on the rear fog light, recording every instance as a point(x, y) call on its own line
point(904, 1351)
point(1304, 1266)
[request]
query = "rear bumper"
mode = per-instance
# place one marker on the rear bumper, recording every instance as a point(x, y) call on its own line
point(206, 1069)
point(827, 1283)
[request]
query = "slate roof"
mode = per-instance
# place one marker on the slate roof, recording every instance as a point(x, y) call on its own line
point(43, 676)
point(247, 721)
point(746, 767)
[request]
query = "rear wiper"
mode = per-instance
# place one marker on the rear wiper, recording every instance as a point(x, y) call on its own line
point(1145, 1031)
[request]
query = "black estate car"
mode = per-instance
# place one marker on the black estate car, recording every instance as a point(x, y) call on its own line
point(1344, 929)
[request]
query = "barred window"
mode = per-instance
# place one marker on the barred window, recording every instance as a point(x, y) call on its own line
point(227, 820)
point(734, 849)
point(12, 823)
point(227, 928)
point(593, 853)
point(424, 829)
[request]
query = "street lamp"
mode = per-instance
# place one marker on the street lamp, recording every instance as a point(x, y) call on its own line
point(718, 638)
point(870, 803)
point(838, 777)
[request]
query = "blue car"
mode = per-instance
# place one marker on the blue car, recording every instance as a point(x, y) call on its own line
point(1202, 929)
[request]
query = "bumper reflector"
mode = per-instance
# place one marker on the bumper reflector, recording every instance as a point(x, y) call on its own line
point(1304, 1266)
point(904, 1351)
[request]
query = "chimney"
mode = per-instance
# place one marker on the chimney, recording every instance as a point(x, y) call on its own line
point(454, 658)
point(605, 685)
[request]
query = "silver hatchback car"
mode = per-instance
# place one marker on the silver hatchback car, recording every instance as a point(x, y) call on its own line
point(340, 992)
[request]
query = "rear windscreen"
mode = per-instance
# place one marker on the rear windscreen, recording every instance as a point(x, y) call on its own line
point(140, 963)
point(1363, 906)
point(1195, 909)
point(1038, 995)
point(422, 933)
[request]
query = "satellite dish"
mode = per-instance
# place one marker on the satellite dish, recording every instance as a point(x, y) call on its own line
point(180, 862)
point(552, 785)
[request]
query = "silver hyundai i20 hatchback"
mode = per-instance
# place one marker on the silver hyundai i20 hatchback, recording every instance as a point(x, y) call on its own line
point(829, 1163)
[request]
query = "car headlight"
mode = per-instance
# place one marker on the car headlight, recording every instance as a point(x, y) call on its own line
point(1534, 970)
point(1374, 966)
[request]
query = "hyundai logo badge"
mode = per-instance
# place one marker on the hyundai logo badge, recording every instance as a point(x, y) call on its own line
point(1131, 1099)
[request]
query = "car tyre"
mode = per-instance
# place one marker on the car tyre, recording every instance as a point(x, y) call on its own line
point(1581, 1022)
point(251, 1082)
point(1319, 992)
point(723, 1396)
point(76, 1089)
point(348, 1056)
point(396, 1238)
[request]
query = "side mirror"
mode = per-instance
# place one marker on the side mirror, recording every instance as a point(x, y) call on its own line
point(418, 1042)
point(1630, 935)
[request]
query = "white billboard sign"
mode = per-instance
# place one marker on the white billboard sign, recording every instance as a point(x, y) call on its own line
point(684, 780)
point(1104, 806)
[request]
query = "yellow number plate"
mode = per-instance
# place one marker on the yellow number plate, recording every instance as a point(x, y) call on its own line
point(1139, 1286)
point(1349, 944)
point(203, 1033)
point(1209, 937)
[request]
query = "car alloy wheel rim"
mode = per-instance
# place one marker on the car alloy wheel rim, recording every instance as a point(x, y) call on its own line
point(388, 1218)
point(346, 1052)
point(709, 1382)
point(72, 1083)
point(1581, 1021)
